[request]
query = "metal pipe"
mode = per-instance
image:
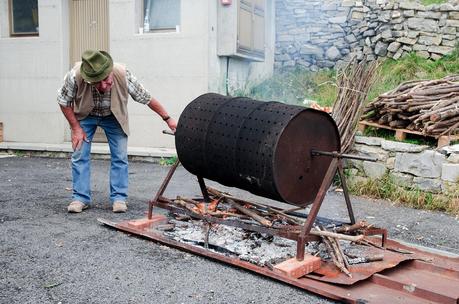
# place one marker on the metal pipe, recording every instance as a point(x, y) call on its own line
point(342, 155)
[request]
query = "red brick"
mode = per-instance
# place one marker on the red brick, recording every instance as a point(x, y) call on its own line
point(296, 269)
point(144, 223)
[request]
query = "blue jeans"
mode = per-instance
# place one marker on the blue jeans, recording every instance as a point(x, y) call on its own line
point(81, 167)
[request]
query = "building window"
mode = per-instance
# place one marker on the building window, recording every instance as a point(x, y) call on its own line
point(161, 15)
point(23, 17)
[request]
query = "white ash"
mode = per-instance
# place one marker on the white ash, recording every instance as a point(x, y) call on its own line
point(257, 248)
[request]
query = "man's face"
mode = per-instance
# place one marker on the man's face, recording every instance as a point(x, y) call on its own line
point(106, 84)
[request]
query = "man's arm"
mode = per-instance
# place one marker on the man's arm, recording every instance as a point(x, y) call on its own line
point(78, 134)
point(161, 111)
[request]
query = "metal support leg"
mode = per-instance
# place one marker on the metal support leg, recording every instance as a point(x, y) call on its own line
point(315, 208)
point(202, 185)
point(162, 188)
point(345, 191)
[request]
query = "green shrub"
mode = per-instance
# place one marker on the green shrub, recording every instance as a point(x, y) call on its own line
point(295, 86)
point(429, 2)
point(387, 188)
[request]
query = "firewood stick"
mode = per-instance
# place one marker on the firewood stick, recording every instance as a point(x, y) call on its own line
point(335, 242)
point(191, 207)
point(450, 130)
point(354, 227)
point(335, 256)
point(186, 205)
point(445, 114)
point(188, 200)
point(367, 259)
point(352, 238)
point(286, 216)
point(250, 213)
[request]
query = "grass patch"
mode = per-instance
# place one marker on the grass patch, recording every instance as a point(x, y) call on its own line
point(429, 2)
point(168, 161)
point(390, 135)
point(387, 188)
point(297, 85)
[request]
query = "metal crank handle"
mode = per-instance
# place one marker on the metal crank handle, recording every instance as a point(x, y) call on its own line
point(168, 132)
point(341, 155)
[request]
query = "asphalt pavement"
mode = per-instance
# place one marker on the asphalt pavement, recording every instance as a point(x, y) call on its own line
point(50, 256)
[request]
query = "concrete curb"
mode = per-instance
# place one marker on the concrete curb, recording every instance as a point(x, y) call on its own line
point(96, 148)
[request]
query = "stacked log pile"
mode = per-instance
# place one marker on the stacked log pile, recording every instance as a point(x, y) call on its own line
point(427, 106)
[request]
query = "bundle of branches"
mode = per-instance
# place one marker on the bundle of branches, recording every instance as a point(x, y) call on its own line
point(354, 82)
point(427, 106)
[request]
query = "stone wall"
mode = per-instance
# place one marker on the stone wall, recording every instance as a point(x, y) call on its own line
point(410, 165)
point(320, 34)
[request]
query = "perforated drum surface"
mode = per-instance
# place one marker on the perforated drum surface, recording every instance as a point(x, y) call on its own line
point(262, 147)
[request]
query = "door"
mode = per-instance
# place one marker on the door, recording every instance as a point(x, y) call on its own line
point(89, 29)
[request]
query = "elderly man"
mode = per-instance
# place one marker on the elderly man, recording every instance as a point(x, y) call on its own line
point(95, 93)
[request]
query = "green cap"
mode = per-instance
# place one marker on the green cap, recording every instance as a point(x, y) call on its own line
point(95, 66)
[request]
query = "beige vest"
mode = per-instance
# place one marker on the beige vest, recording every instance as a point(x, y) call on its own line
point(83, 102)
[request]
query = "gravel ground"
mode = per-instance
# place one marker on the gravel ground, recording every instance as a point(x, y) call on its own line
point(50, 256)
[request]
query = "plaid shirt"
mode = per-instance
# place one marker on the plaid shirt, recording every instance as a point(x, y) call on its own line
point(67, 93)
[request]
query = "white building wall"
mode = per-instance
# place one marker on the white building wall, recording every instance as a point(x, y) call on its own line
point(172, 66)
point(30, 70)
point(175, 67)
point(239, 73)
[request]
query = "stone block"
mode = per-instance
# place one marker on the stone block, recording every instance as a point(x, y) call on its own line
point(390, 163)
point(427, 164)
point(449, 30)
point(429, 15)
point(435, 56)
point(408, 13)
point(450, 172)
point(419, 47)
point(404, 180)
point(358, 164)
point(374, 170)
point(387, 34)
point(394, 46)
point(412, 34)
point(421, 24)
point(396, 146)
point(453, 23)
point(369, 141)
point(411, 5)
point(427, 184)
point(446, 7)
point(296, 269)
point(450, 43)
point(333, 53)
point(381, 48)
point(406, 40)
point(443, 50)
point(423, 54)
point(372, 151)
point(454, 149)
point(348, 3)
point(355, 15)
point(429, 40)
point(454, 15)
point(453, 158)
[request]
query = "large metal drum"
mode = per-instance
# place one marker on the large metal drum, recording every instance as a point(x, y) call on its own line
point(262, 147)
